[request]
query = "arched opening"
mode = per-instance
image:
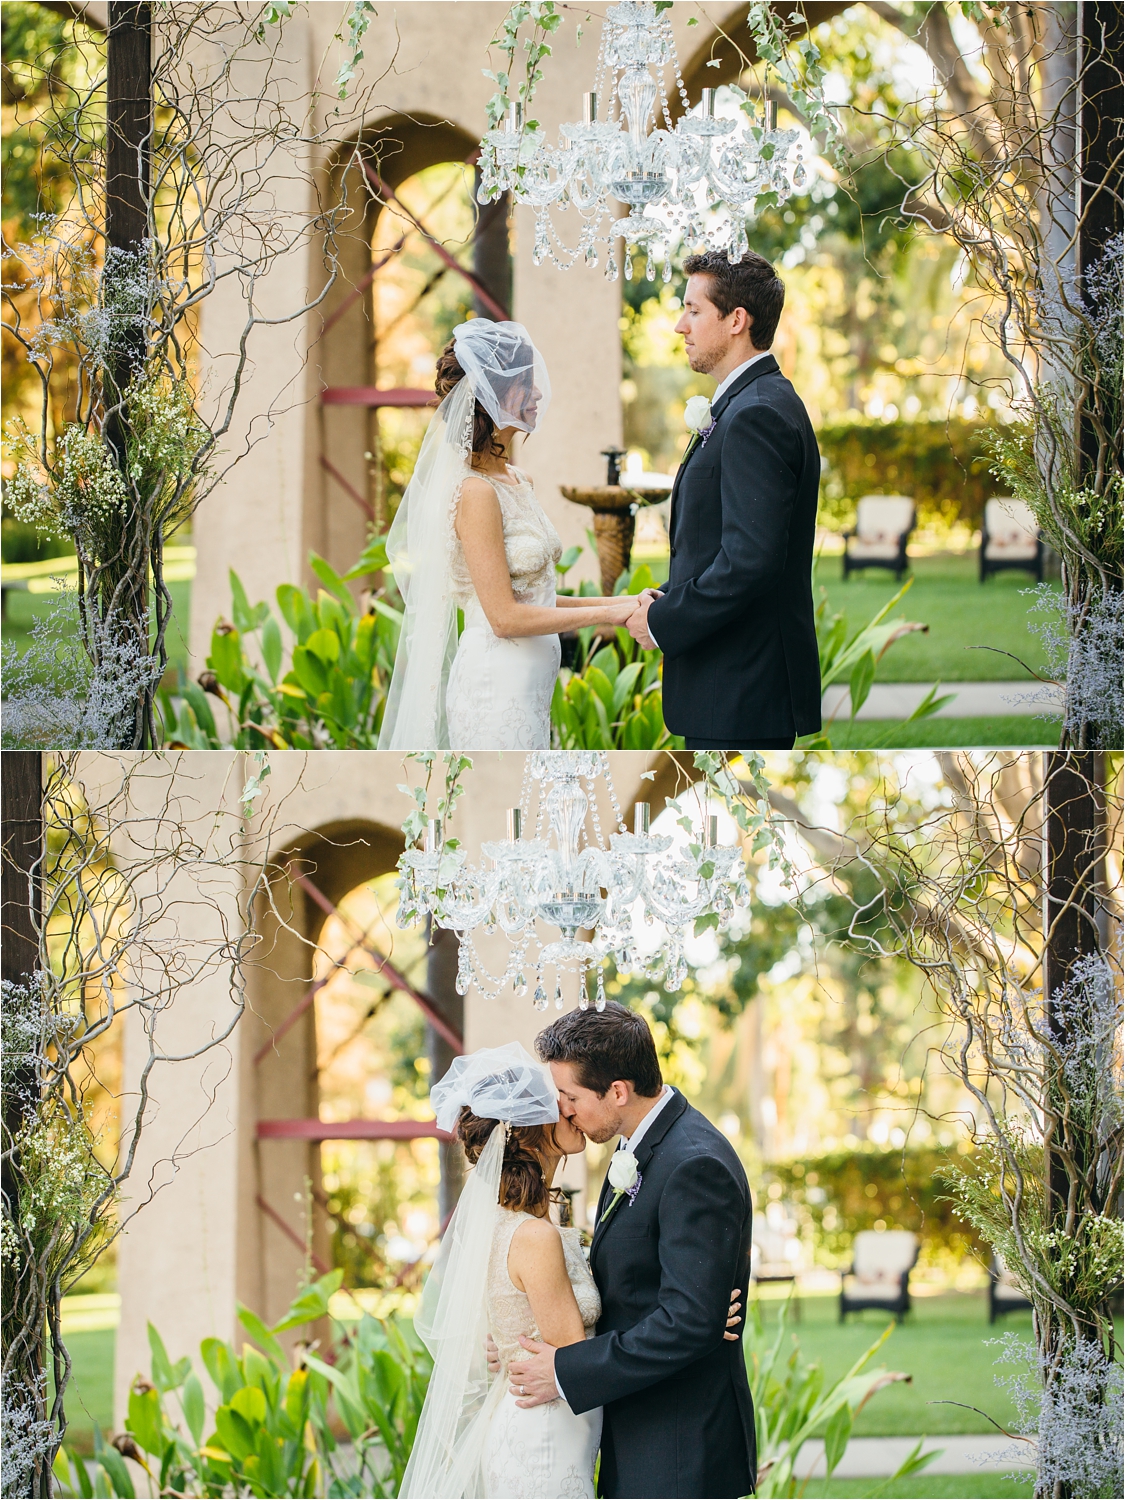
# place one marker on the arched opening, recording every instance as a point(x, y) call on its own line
point(354, 1018)
point(418, 256)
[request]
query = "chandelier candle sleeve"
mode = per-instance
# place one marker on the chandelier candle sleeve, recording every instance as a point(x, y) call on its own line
point(628, 896)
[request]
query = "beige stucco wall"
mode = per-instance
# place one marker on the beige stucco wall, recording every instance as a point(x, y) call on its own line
point(202, 1244)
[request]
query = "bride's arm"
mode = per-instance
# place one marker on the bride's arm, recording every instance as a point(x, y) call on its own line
point(481, 531)
point(537, 1266)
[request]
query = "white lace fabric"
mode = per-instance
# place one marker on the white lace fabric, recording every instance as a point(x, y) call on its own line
point(498, 695)
point(539, 1452)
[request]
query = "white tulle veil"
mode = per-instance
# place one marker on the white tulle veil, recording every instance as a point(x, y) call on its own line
point(504, 372)
point(505, 1084)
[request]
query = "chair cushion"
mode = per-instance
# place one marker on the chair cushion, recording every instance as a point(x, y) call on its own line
point(860, 547)
point(883, 518)
point(1011, 527)
point(880, 1254)
point(871, 1289)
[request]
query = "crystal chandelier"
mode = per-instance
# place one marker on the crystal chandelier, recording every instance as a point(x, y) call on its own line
point(578, 884)
point(705, 174)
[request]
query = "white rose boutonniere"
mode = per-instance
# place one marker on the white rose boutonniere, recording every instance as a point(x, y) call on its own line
point(623, 1178)
point(698, 420)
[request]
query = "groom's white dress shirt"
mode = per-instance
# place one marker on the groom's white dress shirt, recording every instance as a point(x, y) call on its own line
point(723, 385)
point(630, 1143)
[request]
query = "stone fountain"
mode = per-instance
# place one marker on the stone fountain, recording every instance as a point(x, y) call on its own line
point(615, 515)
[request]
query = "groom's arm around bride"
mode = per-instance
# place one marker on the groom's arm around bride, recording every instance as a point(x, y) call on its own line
point(678, 1418)
point(735, 620)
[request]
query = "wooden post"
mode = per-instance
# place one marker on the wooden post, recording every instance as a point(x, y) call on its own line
point(1075, 875)
point(441, 985)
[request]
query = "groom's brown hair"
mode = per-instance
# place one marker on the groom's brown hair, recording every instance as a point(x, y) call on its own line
point(751, 283)
point(604, 1046)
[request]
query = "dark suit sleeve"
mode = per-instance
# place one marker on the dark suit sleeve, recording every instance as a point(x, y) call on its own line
point(760, 469)
point(700, 1228)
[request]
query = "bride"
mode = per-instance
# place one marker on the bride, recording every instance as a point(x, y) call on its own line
point(470, 535)
point(504, 1267)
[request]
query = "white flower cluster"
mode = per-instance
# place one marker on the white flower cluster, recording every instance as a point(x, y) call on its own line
point(79, 496)
point(1085, 654)
point(28, 1437)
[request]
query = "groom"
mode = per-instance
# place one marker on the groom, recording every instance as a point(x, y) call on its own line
point(735, 620)
point(667, 1251)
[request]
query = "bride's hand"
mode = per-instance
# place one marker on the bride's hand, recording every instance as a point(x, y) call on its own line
point(620, 609)
point(733, 1318)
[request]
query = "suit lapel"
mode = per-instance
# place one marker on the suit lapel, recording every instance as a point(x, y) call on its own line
point(766, 366)
point(652, 1138)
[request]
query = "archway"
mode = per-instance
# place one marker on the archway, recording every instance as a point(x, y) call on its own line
point(418, 255)
point(342, 998)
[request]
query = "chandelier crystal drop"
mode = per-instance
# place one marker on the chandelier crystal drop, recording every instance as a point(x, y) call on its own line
point(704, 174)
point(594, 890)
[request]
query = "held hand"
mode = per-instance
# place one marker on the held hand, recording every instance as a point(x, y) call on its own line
point(619, 610)
point(637, 624)
point(492, 1354)
point(733, 1319)
point(533, 1379)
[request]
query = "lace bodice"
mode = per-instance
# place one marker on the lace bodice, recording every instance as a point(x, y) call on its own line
point(531, 544)
point(509, 1310)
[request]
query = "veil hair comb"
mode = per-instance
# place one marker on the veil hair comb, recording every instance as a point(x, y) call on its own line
point(504, 372)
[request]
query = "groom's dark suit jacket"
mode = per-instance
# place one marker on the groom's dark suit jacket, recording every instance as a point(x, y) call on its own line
point(735, 620)
point(678, 1418)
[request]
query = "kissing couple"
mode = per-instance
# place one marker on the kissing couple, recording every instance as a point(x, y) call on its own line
point(735, 621)
point(540, 1359)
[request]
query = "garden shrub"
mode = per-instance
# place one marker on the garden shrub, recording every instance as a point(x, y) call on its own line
point(942, 466)
point(842, 1192)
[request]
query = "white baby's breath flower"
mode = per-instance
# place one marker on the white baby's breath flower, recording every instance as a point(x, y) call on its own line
point(622, 1170)
point(697, 413)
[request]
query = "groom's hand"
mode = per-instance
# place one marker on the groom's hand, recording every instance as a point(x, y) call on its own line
point(533, 1379)
point(637, 623)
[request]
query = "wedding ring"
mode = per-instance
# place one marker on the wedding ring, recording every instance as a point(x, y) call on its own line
point(523, 1391)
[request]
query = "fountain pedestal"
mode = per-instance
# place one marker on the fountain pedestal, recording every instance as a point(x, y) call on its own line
point(615, 512)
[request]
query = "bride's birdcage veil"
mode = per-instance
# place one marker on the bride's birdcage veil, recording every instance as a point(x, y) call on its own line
point(497, 1083)
point(506, 374)
point(508, 1085)
point(505, 371)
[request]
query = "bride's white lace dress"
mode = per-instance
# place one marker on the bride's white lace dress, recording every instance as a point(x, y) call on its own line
point(498, 696)
point(537, 1451)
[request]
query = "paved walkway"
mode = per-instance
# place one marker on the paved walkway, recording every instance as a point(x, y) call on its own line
point(973, 700)
point(875, 1458)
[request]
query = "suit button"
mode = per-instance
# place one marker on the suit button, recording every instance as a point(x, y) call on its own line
point(672, 552)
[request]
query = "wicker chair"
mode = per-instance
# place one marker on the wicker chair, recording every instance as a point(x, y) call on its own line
point(878, 540)
point(1009, 538)
point(880, 1273)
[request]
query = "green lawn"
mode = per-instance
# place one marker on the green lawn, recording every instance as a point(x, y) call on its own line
point(1023, 731)
point(89, 1396)
point(23, 608)
point(968, 1486)
point(960, 611)
point(942, 1345)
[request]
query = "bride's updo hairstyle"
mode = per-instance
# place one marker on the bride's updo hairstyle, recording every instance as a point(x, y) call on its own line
point(449, 373)
point(523, 1186)
point(503, 1089)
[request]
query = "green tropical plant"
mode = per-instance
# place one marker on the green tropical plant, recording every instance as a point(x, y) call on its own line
point(612, 698)
point(340, 663)
point(274, 1431)
point(379, 1386)
point(792, 1403)
point(855, 655)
